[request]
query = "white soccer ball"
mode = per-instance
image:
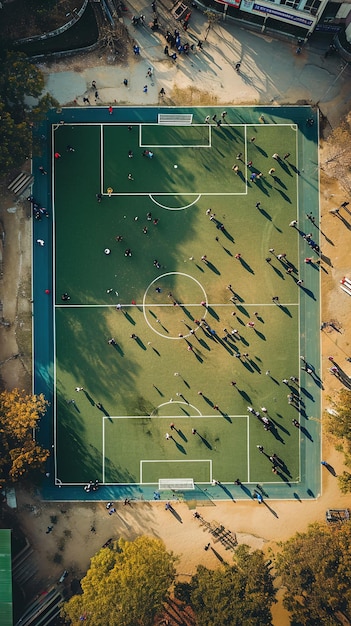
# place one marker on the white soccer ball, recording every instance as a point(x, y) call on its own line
point(175, 166)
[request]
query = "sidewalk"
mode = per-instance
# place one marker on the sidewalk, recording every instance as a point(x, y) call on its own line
point(271, 72)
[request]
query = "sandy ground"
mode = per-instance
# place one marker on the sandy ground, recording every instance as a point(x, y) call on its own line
point(271, 73)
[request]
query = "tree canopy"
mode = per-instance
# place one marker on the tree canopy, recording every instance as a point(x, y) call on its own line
point(20, 414)
point(237, 595)
point(125, 586)
point(315, 568)
point(337, 152)
point(339, 426)
point(19, 79)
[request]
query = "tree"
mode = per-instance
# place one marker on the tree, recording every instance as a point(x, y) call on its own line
point(15, 141)
point(19, 78)
point(336, 154)
point(20, 414)
point(125, 586)
point(344, 481)
point(237, 595)
point(338, 423)
point(45, 103)
point(315, 568)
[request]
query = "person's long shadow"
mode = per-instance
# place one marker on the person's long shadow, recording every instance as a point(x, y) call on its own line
point(284, 468)
point(242, 310)
point(306, 433)
point(244, 395)
point(294, 169)
point(219, 557)
point(246, 266)
point(228, 235)
point(262, 491)
point(260, 335)
point(279, 425)
point(262, 187)
point(277, 271)
point(330, 468)
point(102, 409)
point(226, 490)
point(270, 509)
point(284, 166)
point(213, 268)
point(158, 391)
point(184, 411)
point(203, 344)
point(156, 351)
point(207, 443)
point(181, 434)
point(283, 194)
point(308, 292)
point(213, 313)
point(88, 397)
point(244, 341)
point(118, 349)
point(247, 491)
point(226, 416)
point(345, 222)
point(226, 346)
point(207, 400)
point(307, 393)
point(140, 343)
point(284, 478)
point(175, 514)
point(180, 447)
point(255, 366)
point(261, 150)
point(227, 251)
point(297, 497)
point(187, 312)
point(129, 318)
point(265, 214)
point(280, 182)
point(247, 366)
point(285, 310)
point(276, 434)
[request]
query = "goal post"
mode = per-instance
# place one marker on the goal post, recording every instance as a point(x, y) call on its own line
point(175, 119)
point(181, 484)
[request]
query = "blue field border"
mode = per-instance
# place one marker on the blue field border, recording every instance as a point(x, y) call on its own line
point(309, 486)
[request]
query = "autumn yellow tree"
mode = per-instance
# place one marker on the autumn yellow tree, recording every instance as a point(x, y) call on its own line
point(20, 414)
point(125, 586)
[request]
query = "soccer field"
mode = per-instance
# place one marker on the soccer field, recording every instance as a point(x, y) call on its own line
point(179, 265)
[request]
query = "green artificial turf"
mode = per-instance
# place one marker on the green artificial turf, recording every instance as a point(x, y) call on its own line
point(135, 381)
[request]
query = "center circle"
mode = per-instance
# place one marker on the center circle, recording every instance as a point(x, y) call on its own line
point(163, 293)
